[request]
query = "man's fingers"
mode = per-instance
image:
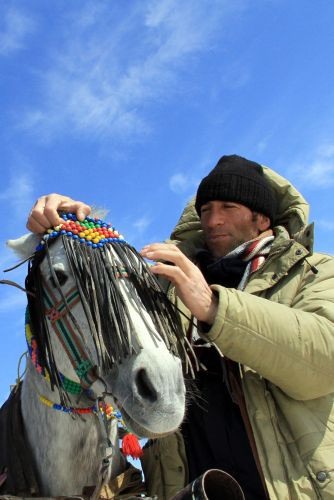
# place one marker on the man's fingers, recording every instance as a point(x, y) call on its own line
point(45, 214)
point(172, 273)
point(38, 220)
point(34, 226)
point(50, 212)
point(78, 207)
point(169, 253)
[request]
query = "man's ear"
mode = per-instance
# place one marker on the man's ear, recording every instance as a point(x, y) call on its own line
point(263, 222)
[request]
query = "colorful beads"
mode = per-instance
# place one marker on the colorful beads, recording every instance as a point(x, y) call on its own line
point(92, 232)
point(69, 385)
point(107, 408)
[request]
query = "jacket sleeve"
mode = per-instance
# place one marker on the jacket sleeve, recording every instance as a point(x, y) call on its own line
point(293, 347)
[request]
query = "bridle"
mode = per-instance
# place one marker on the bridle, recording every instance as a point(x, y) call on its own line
point(92, 263)
point(71, 339)
point(58, 311)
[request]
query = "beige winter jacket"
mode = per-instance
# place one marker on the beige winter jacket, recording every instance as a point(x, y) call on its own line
point(281, 332)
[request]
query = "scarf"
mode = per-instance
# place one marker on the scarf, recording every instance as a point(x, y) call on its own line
point(234, 269)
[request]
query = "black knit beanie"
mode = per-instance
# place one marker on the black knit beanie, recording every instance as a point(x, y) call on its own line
point(240, 180)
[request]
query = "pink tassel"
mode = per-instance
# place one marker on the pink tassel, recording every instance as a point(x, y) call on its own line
point(131, 446)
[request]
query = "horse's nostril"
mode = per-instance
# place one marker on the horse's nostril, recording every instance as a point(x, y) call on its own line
point(145, 386)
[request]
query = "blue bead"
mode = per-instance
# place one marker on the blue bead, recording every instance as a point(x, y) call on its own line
point(89, 243)
point(82, 240)
point(94, 245)
point(100, 245)
point(70, 215)
point(75, 237)
point(118, 414)
point(63, 231)
point(70, 233)
point(57, 406)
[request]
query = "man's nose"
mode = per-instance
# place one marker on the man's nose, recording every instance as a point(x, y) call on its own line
point(215, 219)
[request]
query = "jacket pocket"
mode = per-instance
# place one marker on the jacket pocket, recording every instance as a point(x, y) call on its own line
point(321, 469)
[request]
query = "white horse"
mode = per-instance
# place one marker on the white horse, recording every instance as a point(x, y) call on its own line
point(145, 383)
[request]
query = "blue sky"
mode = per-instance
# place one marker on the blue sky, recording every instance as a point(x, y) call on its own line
point(128, 104)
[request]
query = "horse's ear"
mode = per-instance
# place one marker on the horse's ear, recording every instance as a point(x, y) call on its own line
point(24, 246)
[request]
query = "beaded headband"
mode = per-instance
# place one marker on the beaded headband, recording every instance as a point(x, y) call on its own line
point(93, 232)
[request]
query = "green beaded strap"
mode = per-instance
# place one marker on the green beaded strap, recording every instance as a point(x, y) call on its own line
point(70, 386)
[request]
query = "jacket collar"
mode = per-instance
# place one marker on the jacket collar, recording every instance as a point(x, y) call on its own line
point(284, 254)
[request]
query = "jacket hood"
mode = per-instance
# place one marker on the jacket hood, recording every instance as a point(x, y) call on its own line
point(292, 214)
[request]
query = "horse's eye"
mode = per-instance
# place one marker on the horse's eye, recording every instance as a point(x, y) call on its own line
point(61, 276)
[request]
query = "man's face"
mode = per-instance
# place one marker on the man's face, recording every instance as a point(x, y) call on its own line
point(227, 224)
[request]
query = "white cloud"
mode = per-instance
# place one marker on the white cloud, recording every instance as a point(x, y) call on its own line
point(262, 145)
point(18, 194)
point(15, 27)
point(104, 74)
point(326, 224)
point(179, 183)
point(142, 224)
point(13, 301)
point(236, 76)
point(319, 172)
point(327, 151)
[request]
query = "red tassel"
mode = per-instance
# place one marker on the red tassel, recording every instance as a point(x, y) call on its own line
point(131, 446)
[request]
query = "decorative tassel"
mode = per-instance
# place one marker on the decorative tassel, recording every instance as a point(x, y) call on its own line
point(131, 446)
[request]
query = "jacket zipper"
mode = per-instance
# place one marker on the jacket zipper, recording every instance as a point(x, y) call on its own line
point(239, 399)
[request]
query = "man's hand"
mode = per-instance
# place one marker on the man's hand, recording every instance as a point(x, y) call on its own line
point(189, 282)
point(44, 213)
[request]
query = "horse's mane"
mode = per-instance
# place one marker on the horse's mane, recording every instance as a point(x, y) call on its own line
point(97, 272)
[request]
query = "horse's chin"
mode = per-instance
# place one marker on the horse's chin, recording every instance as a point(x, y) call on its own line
point(141, 431)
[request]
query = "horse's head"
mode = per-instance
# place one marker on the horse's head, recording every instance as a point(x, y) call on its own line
point(100, 319)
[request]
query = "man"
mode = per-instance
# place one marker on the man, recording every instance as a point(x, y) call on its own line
point(263, 404)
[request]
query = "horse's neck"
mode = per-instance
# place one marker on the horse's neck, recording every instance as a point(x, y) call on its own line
point(67, 451)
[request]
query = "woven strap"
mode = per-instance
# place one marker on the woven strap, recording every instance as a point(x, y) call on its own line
point(58, 311)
